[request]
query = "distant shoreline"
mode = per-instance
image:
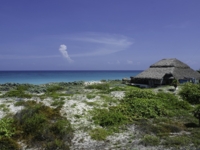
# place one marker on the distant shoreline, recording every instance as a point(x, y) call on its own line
point(43, 77)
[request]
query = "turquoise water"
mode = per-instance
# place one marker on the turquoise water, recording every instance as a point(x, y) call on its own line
point(42, 77)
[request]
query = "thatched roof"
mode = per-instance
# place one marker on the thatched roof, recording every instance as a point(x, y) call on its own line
point(175, 67)
point(173, 62)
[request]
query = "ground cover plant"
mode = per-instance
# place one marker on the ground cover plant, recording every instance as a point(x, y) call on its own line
point(191, 93)
point(38, 126)
point(104, 87)
point(160, 118)
point(156, 115)
point(19, 92)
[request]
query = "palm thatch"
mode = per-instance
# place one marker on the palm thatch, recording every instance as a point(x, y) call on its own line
point(167, 69)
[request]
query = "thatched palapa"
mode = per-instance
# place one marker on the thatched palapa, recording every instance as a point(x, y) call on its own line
point(164, 71)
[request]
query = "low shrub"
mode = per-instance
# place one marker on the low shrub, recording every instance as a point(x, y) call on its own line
point(56, 144)
point(150, 140)
point(196, 113)
point(108, 118)
point(145, 108)
point(4, 107)
point(58, 102)
point(191, 93)
point(90, 96)
point(195, 136)
point(6, 127)
point(117, 88)
point(41, 125)
point(17, 93)
point(172, 102)
point(54, 88)
point(177, 141)
point(99, 134)
point(103, 86)
point(91, 103)
point(25, 103)
point(108, 99)
point(8, 144)
point(139, 93)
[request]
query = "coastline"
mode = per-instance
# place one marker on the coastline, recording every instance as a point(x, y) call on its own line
point(44, 77)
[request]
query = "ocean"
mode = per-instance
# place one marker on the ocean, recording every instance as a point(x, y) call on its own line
point(42, 77)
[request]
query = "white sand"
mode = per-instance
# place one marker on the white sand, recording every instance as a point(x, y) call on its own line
point(92, 82)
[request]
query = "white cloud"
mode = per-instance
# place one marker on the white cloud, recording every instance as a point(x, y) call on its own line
point(178, 25)
point(63, 50)
point(27, 57)
point(95, 44)
point(129, 62)
point(113, 63)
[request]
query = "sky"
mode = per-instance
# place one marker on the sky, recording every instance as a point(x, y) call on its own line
point(97, 34)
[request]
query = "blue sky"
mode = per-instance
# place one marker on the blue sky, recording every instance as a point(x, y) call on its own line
point(97, 34)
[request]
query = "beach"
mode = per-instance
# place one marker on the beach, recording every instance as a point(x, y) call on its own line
point(76, 108)
point(77, 103)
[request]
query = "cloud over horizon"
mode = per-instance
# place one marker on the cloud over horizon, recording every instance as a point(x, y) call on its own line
point(96, 44)
point(63, 51)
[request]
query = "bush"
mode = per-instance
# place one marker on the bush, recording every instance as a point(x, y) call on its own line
point(56, 144)
point(177, 141)
point(99, 134)
point(89, 96)
point(104, 86)
point(196, 113)
point(147, 94)
point(54, 88)
point(58, 103)
point(17, 93)
point(191, 93)
point(150, 140)
point(145, 108)
point(25, 103)
point(108, 118)
point(6, 128)
point(41, 125)
point(8, 144)
point(172, 102)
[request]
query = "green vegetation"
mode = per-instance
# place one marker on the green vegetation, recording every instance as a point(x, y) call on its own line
point(91, 103)
point(161, 118)
point(8, 144)
point(90, 96)
point(104, 87)
point(150, 140)
point(37, 125)
point(108, 118)
point(54, 92)
point(4, 107)
point(17, 93)
point(54, 88)
point(156, 115)
point(58, 102)
point(6, 127)
point(99, 134)
point(108, 99)
point(197, 113)
point(191, 93)
point(7, 130)
point(175, 83)
point(177, 141)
